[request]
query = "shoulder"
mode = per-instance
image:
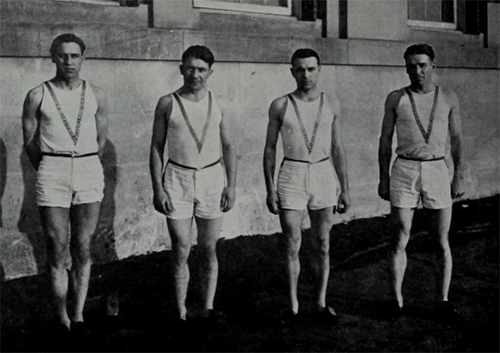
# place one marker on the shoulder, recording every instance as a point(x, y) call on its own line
point(35, 94)
point(279, 104)
point(99, 93)
point(332, 100)
point(449, 94)
point(394, 97)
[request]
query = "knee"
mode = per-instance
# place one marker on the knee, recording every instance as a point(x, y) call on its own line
point(293, 247)
point(181, 250)
point(400, 242)
point(322, 246)
point(208, 249)
point(80, 256)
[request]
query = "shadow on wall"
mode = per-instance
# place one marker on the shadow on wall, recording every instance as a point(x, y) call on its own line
point(29, 220)
point(3, 181)
point(103, 244)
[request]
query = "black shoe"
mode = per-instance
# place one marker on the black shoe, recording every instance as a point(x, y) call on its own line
point(328, 316)
point(288, 318)
point(79, 330)
point(394, 311)
point(215, 318)
point(58, 338)
point(447, 312)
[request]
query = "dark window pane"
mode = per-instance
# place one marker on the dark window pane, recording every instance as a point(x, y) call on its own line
point(448, 12)
point(433, 10)
point(416, 10)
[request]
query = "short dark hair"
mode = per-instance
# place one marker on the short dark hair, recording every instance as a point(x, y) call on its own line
point(199, 52)
point(66, 38)
point(303, 53)
point(420, 49)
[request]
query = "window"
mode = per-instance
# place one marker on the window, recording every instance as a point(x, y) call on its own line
point(277, 7)
point(433, 13)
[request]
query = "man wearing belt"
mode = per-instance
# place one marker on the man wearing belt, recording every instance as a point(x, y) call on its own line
point(192, 183)
point(424, 115)
point(64, 129)
point(308, 121)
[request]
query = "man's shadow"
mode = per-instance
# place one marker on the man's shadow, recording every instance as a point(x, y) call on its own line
point(3, 182)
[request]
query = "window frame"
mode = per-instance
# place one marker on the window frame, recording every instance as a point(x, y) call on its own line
point(435, 24)
point(239, 7)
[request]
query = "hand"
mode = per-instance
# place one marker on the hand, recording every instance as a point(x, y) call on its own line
point(228, 198)
point(344, 202)
point(272, 202)
point(162, 203)
point(383, 190)
point(457, 187)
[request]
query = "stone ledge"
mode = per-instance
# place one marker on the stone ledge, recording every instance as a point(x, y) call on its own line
point(127, 43)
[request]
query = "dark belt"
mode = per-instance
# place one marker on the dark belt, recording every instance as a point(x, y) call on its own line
point(300, 161)
point(421, 160)
point(69, 155)
point(192, 168)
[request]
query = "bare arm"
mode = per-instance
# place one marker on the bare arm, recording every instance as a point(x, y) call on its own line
point(456, 140)
point(31, 125)
point(276, 112)
point(385, 143)
point(229, 155)
point(101, 118)
point(159, 137)
point(340, 160)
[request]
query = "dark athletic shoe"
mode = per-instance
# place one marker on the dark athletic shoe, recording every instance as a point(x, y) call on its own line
point(288, 318)
point(328, 316)
point(394, 311)
point(448, 313)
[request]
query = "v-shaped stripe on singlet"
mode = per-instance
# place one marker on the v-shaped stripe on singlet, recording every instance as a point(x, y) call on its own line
point(199, 142)
point(74, 136)
point(309, 143)
point(425, 134)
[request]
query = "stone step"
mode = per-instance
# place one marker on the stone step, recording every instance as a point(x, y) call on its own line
point(258, 25)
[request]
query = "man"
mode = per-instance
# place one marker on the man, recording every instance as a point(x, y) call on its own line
point(192, 181)
point(310, 130)
point(424, 115)
point(64, 129)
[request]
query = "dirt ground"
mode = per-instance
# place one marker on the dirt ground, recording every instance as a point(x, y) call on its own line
point(252, 293)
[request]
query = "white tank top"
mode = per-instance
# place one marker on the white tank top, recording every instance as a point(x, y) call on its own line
point(68, 124)
point(306, 130)
point(422, 124)
point(194, 136)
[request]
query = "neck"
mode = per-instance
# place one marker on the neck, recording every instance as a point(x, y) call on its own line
point(425, 88)
point(192, 94)
point(69, 83)
point(307, 94)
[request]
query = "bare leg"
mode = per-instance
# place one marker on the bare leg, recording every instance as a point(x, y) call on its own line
point(180, 233)
point(321, 224)
point(402, 219)
point(55, 221)
point(208, 233)
point(291, 222)
point(84, 219)
point(440, 226)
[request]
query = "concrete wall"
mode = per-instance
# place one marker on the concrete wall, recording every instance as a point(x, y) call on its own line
point(130, 226)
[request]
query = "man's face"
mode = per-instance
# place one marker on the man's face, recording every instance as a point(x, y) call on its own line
point(196, 73)
point(419, 68)
point(68, 59)
point(306, 72)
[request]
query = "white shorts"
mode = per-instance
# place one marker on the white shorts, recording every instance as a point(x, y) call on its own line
point(194, 192)
point(302, 185)
point(66, 181)
point(428, 181)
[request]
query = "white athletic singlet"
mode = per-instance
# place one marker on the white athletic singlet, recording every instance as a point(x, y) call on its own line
point(68, 124)
point(306, 130)
point(422, 124)
point(194, 136)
